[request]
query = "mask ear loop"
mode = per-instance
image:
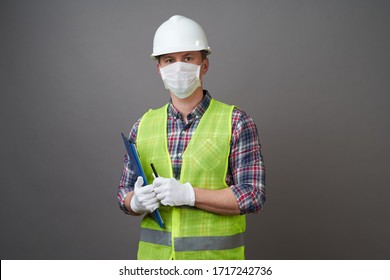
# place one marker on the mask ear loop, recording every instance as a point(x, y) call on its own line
point(198, 73)
point(162, 73)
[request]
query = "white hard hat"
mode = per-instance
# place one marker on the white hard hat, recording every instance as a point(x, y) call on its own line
point(179, 34)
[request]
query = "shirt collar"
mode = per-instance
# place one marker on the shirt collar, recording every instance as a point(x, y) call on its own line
point(198, 110)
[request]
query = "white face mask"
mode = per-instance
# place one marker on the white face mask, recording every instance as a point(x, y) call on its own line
point(181, 78)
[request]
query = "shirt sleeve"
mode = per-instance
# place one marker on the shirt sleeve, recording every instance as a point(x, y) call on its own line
point(128, 177)
point(246, 176)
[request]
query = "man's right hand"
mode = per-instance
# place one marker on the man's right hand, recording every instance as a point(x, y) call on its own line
point(144, 198)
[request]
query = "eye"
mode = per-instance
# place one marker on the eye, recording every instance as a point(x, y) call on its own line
point(188, 58)
point(168, 60)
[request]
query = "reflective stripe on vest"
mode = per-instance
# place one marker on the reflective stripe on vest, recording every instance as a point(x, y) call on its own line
point(199, 243)
point(156, 236)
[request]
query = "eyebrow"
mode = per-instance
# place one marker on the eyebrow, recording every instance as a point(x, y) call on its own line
point(170, 56)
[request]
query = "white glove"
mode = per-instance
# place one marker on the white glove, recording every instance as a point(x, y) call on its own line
point(144, 198)
point(173, 193)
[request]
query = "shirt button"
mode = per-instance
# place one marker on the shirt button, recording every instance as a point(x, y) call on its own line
point(179, 154)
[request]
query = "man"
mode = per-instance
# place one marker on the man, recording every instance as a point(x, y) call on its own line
point(207, 155)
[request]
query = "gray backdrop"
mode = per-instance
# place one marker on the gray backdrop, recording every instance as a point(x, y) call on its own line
point(314, 75)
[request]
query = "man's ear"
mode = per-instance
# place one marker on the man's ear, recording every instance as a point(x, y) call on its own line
point(205, 66)
point(158, 68)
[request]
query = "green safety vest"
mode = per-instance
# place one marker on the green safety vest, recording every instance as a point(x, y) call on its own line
point(190, 233)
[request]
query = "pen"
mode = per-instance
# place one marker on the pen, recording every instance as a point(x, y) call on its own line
point(158, 216)
point(154, 170)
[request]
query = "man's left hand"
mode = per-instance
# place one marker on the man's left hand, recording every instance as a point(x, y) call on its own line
point(171, 192)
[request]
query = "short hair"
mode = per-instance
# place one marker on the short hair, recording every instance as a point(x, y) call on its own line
point(204, 54)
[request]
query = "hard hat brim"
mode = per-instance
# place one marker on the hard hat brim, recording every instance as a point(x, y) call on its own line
point(155, 55)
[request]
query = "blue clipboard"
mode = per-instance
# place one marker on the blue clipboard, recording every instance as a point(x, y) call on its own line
point(137, 167)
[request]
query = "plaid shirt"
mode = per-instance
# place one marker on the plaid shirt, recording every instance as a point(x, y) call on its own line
point(246, 173)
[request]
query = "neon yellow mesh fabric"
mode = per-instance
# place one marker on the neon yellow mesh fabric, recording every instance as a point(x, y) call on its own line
point(195, 234)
